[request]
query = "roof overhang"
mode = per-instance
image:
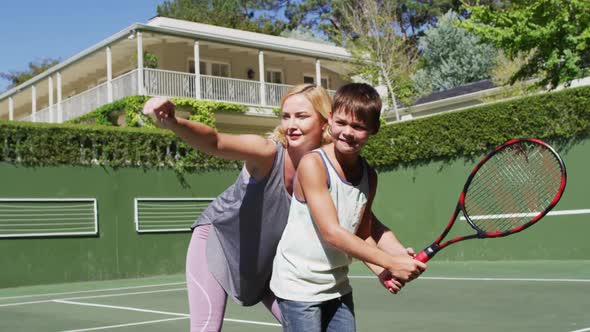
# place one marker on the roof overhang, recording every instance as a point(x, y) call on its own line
point(205, 32)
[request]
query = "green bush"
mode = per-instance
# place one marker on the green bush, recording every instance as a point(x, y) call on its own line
point(40, 144)
point(132, 107)
point(558, 117)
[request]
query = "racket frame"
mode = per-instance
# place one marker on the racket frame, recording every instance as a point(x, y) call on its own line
point(436, 246)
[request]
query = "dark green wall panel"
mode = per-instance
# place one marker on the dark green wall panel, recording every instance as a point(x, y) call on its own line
point(118, 251)
point(417, 203)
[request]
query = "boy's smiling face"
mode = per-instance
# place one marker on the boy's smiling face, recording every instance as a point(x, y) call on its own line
point(349, 133)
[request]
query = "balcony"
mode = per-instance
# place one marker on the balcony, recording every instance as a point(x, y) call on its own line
point(166, 83)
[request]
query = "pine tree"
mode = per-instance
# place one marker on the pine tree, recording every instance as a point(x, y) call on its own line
point(452, 56)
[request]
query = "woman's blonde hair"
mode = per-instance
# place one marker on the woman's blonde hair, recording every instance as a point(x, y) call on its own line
point(319, 99)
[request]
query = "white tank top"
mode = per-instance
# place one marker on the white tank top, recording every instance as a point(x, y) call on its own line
point(306, 268)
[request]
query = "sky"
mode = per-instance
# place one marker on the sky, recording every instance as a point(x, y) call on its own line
point(31, 30)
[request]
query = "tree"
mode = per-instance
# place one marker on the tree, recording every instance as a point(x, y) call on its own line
point(379, 53)
point(555, 34)
point(35, 67)
point(302, 33)
point(326, 16)
point(452, 56)
point(251, 15)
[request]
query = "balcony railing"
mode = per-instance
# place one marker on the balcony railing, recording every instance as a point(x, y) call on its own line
point(230, 90)
point(164, 83)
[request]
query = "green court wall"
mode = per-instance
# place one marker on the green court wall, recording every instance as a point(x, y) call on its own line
point(118, 251)
point(416, 202)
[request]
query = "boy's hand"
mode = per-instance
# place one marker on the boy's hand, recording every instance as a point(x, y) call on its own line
point(162, 109)
point(405, 268)
point(387, 279)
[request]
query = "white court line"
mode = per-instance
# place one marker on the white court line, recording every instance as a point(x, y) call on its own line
point(125, 325)
point(93, 297)
point(90, 291)
point(251, 322)
point(351, 277)
point(582, 330)
point(122, 308)
point(125, 294)
point(529, 214)
point(159, 312)
point(487, 279)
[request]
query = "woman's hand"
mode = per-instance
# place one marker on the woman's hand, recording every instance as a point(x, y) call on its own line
point(389, 282)
point(162, 109)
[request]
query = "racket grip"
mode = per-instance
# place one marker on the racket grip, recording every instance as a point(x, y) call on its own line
point(422, 256)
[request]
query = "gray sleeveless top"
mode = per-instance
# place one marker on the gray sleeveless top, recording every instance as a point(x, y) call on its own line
point(247, 220)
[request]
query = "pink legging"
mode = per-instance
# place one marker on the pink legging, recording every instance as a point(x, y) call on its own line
point(207, 299)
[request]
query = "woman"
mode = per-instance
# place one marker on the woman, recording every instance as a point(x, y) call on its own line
point(234, 241)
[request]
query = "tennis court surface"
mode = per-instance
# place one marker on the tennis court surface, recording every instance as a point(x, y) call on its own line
point(450, 296)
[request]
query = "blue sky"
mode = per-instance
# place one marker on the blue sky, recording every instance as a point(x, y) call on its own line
point(34, 29)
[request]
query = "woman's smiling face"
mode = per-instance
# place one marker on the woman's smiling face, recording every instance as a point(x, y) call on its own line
point(303, 126)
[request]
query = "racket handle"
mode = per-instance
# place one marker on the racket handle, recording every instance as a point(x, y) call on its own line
point(422, 256)
point(429, 252)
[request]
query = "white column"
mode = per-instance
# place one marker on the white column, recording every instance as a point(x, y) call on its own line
point(59, 106)
point(197, 70)
point(51, 117)
point(261, 73)
point(318, 73)
point(109, 75)
point(140, 86)
point(33, 102)
point(10, 108)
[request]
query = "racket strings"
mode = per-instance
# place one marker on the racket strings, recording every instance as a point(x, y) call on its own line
point(512, 187)
point(509, 199)
point(514, 198)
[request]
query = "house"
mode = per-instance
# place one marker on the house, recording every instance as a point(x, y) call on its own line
point(463, 96)
point(466, 96)
point(159, 59)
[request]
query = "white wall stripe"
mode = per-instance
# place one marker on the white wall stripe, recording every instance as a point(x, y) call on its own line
point(529, 214)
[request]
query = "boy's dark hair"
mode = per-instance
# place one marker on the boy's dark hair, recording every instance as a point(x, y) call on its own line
point(362, 100)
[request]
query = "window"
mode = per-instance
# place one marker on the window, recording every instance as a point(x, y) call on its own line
point(311, 80)
point(219, 69)
point(274, 76)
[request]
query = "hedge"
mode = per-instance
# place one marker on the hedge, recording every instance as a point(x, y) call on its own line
point(131, 107)
point(559, 117)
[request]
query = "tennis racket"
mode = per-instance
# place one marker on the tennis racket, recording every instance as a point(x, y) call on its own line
point(511, 189)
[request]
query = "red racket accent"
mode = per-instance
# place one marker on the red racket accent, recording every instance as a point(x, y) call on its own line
point(509, 190)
